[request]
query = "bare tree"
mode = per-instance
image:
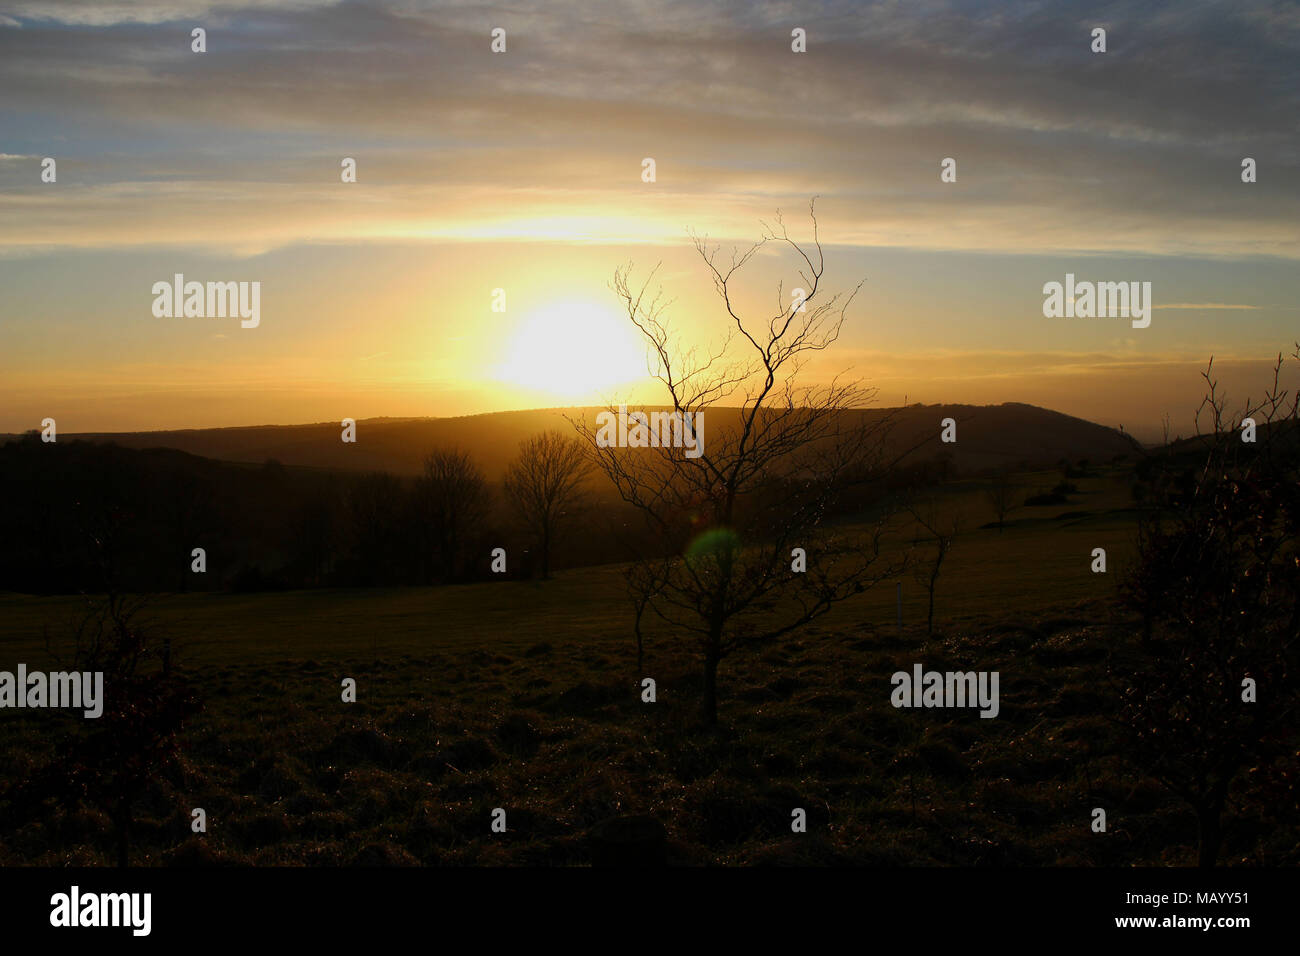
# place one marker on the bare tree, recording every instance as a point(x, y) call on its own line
point(1001, 493)
point(135, 741)
point(375, 521)
point(450, 501)
point(640, 593)
point(1217, 582)
point(545, 486)
point(729, 509)
point(942, 532)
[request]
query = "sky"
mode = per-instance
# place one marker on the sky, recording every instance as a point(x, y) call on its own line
point(522, 171)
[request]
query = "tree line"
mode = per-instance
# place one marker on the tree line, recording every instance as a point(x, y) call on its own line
point(85, 517)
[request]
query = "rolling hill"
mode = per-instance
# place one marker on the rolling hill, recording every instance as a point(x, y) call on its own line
point(988, 437)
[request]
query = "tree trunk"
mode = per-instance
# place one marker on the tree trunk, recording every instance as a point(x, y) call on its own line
point(929, 615)
point(710, 707)
point(123, 832)
point(640, 653)
point(717, 620)
point(1210, 831)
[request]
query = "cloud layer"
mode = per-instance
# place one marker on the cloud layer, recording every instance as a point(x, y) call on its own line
point(1058, 148)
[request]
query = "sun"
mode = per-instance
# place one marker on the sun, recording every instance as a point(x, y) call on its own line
point(572, 350)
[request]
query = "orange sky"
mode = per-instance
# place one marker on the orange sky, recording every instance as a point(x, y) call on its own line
point(522, 171)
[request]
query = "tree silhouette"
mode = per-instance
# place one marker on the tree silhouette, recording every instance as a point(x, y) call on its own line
point(942, 531)
point(726, 522)
point(377, 528)
point(451, 502)
point(1217, 583)
point(113, 760)
point(545, 486)
point(1000, 494)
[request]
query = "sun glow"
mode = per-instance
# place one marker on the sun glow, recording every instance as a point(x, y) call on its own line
point(572, 350)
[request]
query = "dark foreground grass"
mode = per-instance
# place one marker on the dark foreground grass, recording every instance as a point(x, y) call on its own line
point(557, 735)
point(524, 696)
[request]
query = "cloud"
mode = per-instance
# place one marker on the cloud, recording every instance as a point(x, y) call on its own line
point(1207, 305)
point(110, 12)
point(1133, 151)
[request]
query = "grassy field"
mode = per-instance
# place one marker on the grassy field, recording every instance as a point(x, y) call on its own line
point(1037, 562)
point(523, 696)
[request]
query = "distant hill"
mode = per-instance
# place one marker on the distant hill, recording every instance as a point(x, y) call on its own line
point(1283, 433)
point(988, 436)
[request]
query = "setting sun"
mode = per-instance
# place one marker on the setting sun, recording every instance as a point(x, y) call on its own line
point(573, 349)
